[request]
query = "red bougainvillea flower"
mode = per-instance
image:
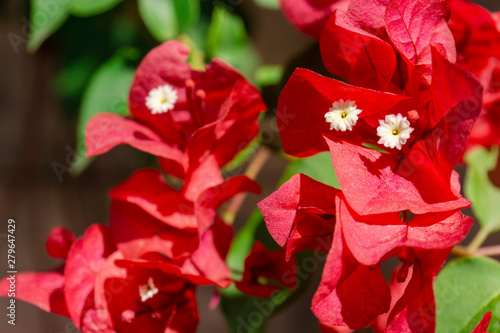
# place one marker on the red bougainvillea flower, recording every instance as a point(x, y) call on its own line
point(350, 294)
point(431, 130)
point(147, 215)
point(264, 269)
point(483, 324)
point(309, 16)
point(145, 295)
point(301, 215)
point(179, 114)
point(386, 45)
point(478, 45)
point(423, 245)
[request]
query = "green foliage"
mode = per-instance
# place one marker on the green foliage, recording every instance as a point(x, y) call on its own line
point(86, 8)
point(46, 17)
point(227, 39)
point(107, 91)
point(465, 290)
point(318, 167)
point(479, 189)
point(165, 19)
point(268, 75)
point(269, 4)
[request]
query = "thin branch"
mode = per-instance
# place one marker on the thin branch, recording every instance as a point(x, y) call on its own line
point(478, 240)
point(251, 172)
point(490, 251)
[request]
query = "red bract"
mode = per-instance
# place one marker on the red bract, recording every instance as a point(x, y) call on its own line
point(147, 215)
point(261, 265)
point(146, 295)
point(309, 16)
point(415, 309)
point(415, 26)
point(59, 242)
point(83, 263)
point(301, 215)
point(407, 177)
point(478, 45)
point(350, 294)
point(44, 289)
point(383, 234)
point(483, 324)
point(387, 45)
point(181, 115)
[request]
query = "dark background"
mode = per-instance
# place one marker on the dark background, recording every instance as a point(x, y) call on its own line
point(37, 129)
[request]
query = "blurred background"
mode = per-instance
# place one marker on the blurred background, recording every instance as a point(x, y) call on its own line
point(40, 95)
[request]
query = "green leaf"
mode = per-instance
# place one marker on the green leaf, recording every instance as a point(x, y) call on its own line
point(479, 189)
point(465, 290)
point(318, 167)
point(86, 8)
point(268, 4)
point(227, 39)
point(165, 19)
point(46, 16)
point(268, 75)
point(107, 91)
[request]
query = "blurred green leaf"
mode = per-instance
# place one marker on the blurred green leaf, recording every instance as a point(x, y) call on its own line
point(318, 167)
point(478, 188)
point(227, 39)
point(268, 75)
point(269, 4)
point(465, 290)
point(107, 91)
point(46, 16)
point(187, 13)
point(165, 19)
point(86, 8)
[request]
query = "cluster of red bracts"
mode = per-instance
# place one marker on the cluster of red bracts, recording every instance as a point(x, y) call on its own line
point(395, 134)
point(141, 273)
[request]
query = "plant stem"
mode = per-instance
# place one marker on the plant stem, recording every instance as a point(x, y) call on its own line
point(489, 251)
point(251, 172)
point(461, 251)
point(478, 240)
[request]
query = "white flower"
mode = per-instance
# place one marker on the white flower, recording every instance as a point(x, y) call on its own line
point(394, 131)
point(161, 99)
point(148, 291)
point(342, 115)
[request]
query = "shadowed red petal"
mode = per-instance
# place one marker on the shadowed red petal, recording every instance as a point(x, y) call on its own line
point(261, 263)
point(356, 55)
point(59, 242)
point(415, 311)
point(350, 294)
